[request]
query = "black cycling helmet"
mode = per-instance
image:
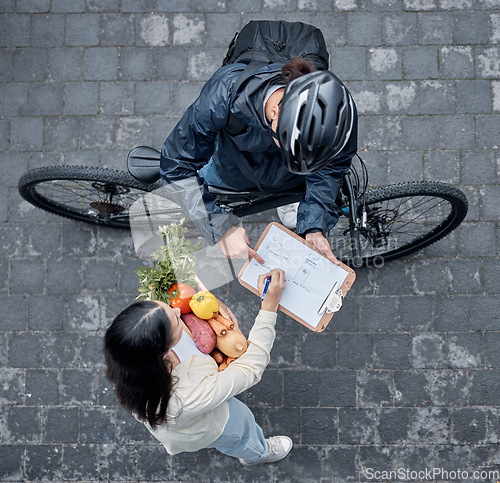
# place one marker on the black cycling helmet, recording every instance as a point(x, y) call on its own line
point(315, 121)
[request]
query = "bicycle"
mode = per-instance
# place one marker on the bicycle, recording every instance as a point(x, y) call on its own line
point(375, 225)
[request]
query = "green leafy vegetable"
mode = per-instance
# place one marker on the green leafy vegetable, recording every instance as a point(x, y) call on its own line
point(174, 263)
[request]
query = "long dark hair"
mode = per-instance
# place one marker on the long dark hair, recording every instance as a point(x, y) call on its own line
point(134, 348)
point(297, 67)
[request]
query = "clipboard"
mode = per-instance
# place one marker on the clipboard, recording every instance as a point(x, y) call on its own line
point(331, 300)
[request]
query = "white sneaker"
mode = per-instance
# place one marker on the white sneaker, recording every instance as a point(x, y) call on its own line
point(279, 447)
point(288, 215)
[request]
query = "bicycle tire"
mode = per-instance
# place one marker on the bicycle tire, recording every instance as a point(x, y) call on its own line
point(75, 192)
point(402, 219)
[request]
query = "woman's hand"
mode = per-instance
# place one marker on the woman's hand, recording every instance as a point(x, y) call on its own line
point(274, 291)
point(234, 244)
point(321, 243)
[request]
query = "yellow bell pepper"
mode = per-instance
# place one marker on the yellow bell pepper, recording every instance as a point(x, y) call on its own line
point(204, 304)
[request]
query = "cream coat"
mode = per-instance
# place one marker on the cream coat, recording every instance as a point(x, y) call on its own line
point(198, 410)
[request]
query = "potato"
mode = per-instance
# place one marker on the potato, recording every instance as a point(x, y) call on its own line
point(204, 337)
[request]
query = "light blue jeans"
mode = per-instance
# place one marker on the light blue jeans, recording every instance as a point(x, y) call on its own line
point(242, 437)
point(210, 175)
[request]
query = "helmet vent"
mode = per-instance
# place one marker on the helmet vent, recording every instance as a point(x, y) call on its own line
point(301, 114)
point(297, 148)
point(310, 134)
point(322, 106)
point(340, 108)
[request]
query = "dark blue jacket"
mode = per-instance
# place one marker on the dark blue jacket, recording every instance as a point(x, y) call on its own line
point(250, 159)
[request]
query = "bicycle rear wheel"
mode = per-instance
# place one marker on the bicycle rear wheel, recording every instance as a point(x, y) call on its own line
point(401, 219)
point(93, 195)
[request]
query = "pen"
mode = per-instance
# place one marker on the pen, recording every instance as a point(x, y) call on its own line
point(266, 286)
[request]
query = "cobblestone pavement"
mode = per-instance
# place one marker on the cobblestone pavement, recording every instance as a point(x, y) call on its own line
point(406, 377)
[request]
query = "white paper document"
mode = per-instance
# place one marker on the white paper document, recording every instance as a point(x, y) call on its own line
point(309, 276)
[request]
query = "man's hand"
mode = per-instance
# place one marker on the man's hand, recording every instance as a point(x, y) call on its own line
point(321, 243)
point(234, 244)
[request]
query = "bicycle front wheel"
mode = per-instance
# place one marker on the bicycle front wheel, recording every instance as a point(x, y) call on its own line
point(401, 219)
point(93, 195)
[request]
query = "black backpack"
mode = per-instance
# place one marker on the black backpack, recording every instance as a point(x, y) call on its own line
point(267, 41)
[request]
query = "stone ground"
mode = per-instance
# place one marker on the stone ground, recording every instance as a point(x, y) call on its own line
point(405, 378)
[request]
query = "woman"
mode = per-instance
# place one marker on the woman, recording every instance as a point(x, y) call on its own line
point(178, 393)
point(297, 128)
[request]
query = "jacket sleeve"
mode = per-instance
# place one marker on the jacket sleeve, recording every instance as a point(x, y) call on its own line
point(316, 209)
point(189, 147)
point(242, 373)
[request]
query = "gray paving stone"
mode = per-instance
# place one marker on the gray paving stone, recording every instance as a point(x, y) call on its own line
point(364, 29)
point(65, 64)
point(80, 462)
point(135, 64)
point(404, 166)
point(478, 239)
point(471, 28)
point(97, 425)
point(301, 388)
point(456, 62)
point(473, 96)
point(320, 426)
point(412, 388)
point(337, 388)
point(23, 424)
point(82, 30)
point(42, 387)
point(63, 6)
point(43, 462)
point(131, 6)
point(356, 426)
point(16, 30)
point(487, 65)
point(349, 63)
point(442, 165)
point(45, 312)
point(468, 425)
point(48, 30)
point(384, 63)
point(35, 58)
point(152, 98)
point(465, 350)
point(354, 351)
point(428, 351)
point(486, 126)
point(9, 6)
point(451, 313)
point(102, 6)
point(430, 425)
point(420, 62)
point(24, 350)
point(435, 28)
point(45, 99)
point(393, 425)
point(117, 462)
point(80, 98)
point(400, 29)
point(96, 133)
point(483, 313)
point(305, 465)
point(6, 65)
point(100, 63)
point(117, 30)
point(27, 276)
point(375, 389)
